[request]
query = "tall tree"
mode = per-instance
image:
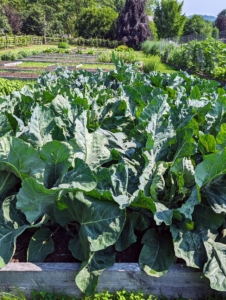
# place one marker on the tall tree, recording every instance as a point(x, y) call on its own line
point(14, 19)
point(4, 24)
point(221, 20)
point(133, 24)
point(197, 25)
point(150, 7)
point(94, 22)
point(168, 18)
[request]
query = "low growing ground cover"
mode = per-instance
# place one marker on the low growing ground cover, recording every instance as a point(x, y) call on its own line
point(106, 154)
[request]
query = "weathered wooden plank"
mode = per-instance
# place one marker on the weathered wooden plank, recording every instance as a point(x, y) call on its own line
point(59, 277)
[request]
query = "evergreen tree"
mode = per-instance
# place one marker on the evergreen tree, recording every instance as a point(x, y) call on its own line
point(168, 18)
point(133, 25)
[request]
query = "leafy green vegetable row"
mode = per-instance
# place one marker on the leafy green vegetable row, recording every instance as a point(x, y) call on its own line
point(105, 154)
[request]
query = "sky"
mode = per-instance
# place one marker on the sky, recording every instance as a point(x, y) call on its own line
point(203, 7)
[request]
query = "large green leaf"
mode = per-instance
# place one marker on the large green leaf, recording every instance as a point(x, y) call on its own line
point(5, 128)
point(8, 184)
point(215, 268)
point(34, 200)
point(134, 220)
point(90, 147)
point(80, 178)
point(58, 157)
point(139, 200)
point(153, 113)
point(77, 249)
point(184, 170)
point(205, 218)
point(187, 208)
point(41, 127)
point(209, 176)
point(12, 224)
point(101, 222)
point(40, 245)
point(189, 245)
point(20, 158)
point(207, 143)
point(67, 112)
point(112, 184)
point(221, 137)
point(90, 270)
point(157, 254)
point(186, 145)
point(157, 187)
point(163, 214)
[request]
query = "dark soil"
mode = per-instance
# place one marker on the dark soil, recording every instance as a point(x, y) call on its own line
point(14, 75)
point(23, 75)
point(63, 254)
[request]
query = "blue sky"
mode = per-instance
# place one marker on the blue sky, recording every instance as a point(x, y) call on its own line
point(203, 7)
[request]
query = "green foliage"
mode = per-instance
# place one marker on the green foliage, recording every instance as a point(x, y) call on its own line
point(168, 18)
point(12, 56)
point(154, 30)
point(155, 47)
point(153, 64)
point(63, 45)
point(205, 56)
point(197, 25)
point(215, 33)
point(113, 153)
point(4, 23)
point(124, 48)
point(9, 56)
point(127, 57)
point(94, 22)
point(33, 21)
point(8, 86)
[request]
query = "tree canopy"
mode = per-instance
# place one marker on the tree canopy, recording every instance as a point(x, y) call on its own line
point(133, 24)
point(97, 23)
point(60, 16)
point(169, 19)
point(221, 20)
point(197, 25)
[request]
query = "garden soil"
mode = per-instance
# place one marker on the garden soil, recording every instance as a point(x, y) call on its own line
point(63, 254)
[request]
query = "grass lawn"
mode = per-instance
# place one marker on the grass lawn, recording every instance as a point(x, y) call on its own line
point(154, 63)
point(45, 65)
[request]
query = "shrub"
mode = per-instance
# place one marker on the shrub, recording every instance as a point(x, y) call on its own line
point(124, 48)
point(153, 47)
point(152, 64)
point(127, 57)
point(63, 45)
point(9, 56)
point(91, 52)
point(22, 54)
